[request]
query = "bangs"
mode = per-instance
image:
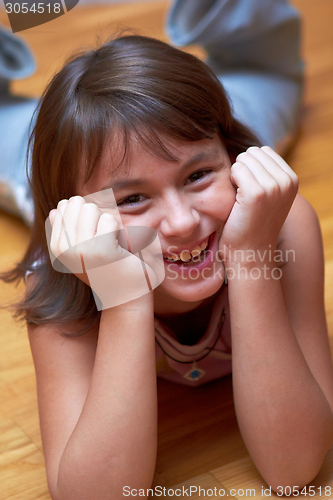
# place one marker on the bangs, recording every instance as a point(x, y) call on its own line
point(151, 125)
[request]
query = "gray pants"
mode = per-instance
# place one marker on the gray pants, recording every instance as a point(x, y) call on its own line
point(254, 48)
point(16, 61)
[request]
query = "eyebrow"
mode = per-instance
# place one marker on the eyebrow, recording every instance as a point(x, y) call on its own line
point(133, 183)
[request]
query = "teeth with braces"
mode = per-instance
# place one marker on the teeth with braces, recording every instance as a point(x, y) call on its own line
point(185, 255)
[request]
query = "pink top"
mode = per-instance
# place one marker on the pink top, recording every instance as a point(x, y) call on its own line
point(214, 347)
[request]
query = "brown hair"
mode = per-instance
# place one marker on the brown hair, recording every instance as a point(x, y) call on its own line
point(139, 86)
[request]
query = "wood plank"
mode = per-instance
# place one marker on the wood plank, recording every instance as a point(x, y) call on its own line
point(197, 429)
point(22, 470)
point(202, 487)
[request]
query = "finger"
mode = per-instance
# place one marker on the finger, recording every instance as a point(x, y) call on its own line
point(283, 164)
point(87, 222)
point(244, 180)
point(277, 158)
point(108, 227)
point(107, 224)
point(103, 248)
point(284, 175)
point(57, 227)
point(265, 176)
point(273, 161)
point(70, 219)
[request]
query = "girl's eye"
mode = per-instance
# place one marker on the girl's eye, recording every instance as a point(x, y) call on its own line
point(197, 176)
point(134, 199)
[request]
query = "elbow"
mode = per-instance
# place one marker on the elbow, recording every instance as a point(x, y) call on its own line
point(289, 478)
point(289, 484)
point(294, 465)
point(105, 491)
point(82, 481)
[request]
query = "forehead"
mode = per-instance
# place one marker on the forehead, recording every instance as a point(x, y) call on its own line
point(123, 160)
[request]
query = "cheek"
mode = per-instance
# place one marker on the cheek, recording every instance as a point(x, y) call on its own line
point(224, 205)
point(218, 201)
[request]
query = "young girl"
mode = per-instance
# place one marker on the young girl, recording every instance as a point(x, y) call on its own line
point(154, 124)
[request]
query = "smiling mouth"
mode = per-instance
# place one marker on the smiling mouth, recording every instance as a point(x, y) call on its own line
point(195, 255)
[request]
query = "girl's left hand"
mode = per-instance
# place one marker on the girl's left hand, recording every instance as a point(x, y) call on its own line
point(266, 188)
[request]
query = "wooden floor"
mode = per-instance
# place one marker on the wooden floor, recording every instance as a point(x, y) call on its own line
point(199, 442)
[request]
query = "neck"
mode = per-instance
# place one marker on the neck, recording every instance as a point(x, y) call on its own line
point(166, 306)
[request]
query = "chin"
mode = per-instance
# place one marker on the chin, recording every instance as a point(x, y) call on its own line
point(193, 290)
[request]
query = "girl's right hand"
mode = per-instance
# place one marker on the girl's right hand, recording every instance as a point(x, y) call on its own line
point(265, 190)
point(90, 244)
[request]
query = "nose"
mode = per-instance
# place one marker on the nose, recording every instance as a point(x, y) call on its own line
point(179, 218)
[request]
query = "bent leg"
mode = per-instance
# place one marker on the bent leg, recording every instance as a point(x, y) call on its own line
point(254, 48)
point(16, 113)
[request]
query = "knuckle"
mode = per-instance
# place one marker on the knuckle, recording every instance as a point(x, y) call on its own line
point(290, 183)
point(238, 166)
point(107, 216)
point(266, 148)
point(111, 220)
point(274, 188)
point(252, 149)
point(259, 194)
point(76, 200)
point(287, 185)
point(62, 204)
point(242, 156)
point(295, 180)
point(90, 207)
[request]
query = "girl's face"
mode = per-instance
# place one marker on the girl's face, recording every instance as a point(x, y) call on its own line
point(187, 201)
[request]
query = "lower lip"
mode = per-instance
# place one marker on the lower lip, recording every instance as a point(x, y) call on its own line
point(185, 269)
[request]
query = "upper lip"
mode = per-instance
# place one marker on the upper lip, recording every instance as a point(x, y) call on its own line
point(172, 249)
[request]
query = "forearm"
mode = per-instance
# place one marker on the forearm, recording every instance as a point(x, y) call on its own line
point(114, 441)
point(283, 414)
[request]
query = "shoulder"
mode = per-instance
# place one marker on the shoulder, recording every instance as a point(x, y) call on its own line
point(301, 213)
point(301, 230)
point(301, 242)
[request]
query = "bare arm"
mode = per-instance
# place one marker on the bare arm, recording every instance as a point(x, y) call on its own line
point(97, 402)
point(282, 370)
point(97, 393)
